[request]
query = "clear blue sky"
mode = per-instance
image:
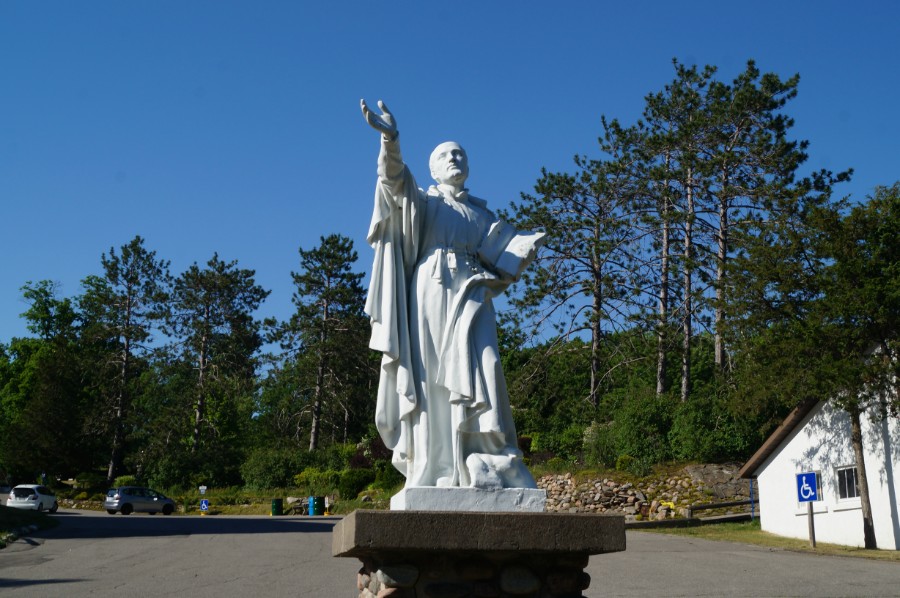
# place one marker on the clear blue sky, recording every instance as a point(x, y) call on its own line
point(234, 126)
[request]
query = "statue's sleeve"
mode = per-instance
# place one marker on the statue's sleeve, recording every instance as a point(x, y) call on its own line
point(393, 234)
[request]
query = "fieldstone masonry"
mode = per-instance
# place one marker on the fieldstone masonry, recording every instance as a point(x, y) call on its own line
point(653, 498)
point(417, 554)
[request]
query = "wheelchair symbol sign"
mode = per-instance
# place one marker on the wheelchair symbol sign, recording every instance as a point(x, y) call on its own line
point(204, 504)
point(806, 487)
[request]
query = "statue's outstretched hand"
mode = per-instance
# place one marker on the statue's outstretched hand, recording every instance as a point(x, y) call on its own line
point(383, 122)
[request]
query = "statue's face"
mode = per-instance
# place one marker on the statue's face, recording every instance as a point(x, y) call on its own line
point(449, 164)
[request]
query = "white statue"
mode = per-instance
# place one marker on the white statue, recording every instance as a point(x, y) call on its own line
point(440, 258)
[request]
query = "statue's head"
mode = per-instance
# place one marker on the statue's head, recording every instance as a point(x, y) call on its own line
point(449, 164)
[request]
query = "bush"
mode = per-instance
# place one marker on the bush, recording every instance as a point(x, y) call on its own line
point(316, 482)
point(90, 479)
point(600, 445)
point(624, 462)
point(641, 427)
point(354, 481)
point(269, 468)
point(387, 477)
point(704, 429)
point(125, 480)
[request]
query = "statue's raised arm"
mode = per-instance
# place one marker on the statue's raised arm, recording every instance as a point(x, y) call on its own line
point(383, 123)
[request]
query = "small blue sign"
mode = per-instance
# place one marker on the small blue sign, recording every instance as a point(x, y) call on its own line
point(204, 504)
point(807, 490)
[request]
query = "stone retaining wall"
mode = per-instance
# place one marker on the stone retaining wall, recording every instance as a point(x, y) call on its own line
point(650, 498)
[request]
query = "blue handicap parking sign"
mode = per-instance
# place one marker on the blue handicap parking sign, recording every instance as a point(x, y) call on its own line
point(204, 504)
point(807, 490)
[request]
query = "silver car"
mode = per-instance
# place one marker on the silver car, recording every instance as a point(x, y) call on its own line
point(131, 499)
point(34, 497)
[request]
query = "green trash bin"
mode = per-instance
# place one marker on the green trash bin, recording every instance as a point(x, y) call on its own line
point(316, 505)
point(277, 505)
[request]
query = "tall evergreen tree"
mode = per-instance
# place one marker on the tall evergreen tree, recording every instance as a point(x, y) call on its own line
point(582, 280)
point(327, 338)
point(122, 309)
point(820, 315)
point(216, 337)
point(679, 126)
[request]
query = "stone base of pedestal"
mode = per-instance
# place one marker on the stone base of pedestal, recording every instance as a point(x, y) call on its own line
point(430, 498)
point(415, 554)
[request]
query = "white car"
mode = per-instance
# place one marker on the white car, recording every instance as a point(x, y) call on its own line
point(34, 497)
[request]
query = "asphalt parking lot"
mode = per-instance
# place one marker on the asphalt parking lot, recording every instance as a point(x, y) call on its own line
point(102, 555)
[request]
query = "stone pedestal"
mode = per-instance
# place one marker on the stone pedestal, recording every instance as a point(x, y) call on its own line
point(418, 554)
point(430, 498)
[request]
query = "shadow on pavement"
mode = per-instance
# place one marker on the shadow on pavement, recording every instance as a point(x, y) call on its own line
point(88, 524)
point(24, 583)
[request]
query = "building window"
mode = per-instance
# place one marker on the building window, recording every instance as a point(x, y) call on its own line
point(848, 486)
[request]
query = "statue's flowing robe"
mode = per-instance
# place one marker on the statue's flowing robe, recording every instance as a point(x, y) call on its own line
point(443, 407)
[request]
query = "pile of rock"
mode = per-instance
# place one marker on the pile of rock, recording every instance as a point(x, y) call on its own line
point(653, 498)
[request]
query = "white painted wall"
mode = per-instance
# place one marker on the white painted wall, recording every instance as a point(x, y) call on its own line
point(822, 443)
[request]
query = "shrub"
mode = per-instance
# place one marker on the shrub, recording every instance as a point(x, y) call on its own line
point(600, 444)
point(354, 481)
point(125, 480)
point(624, 462)
point(641, 426)
point(316, 482)
point(387, 477)
point(90, 479)
point(269, 468)
point(704, 429)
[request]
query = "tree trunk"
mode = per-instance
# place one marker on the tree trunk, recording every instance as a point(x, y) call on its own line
point(596, 332)
point(862, 479)
point(200, 406)
point(317, 405)
point(687, 320)
point(118, 443)
point(722, 254)
point(662, 325)
point(320, 382)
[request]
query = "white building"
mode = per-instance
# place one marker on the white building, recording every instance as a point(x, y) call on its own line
point(816, 438)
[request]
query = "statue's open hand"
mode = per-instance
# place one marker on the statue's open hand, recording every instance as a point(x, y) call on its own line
point(383, 122)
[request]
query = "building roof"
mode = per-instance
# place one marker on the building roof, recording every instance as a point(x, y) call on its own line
point(777, 437)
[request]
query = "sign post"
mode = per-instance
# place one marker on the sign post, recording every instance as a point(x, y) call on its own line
point(808, 493)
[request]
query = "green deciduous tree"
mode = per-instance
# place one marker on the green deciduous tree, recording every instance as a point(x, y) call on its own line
point(43, 399)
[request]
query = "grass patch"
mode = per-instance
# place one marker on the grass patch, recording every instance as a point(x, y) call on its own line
point(749, 532)
point(12, 519)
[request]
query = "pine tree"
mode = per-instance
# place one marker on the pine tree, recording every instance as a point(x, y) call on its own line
point(122, 309)
point(216, 337)
point(327, 339)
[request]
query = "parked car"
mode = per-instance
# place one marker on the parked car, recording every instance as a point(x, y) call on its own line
point(34, 497)
point(131, 499)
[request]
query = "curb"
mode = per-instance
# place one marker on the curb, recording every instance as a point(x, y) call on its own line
point(683, 522)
